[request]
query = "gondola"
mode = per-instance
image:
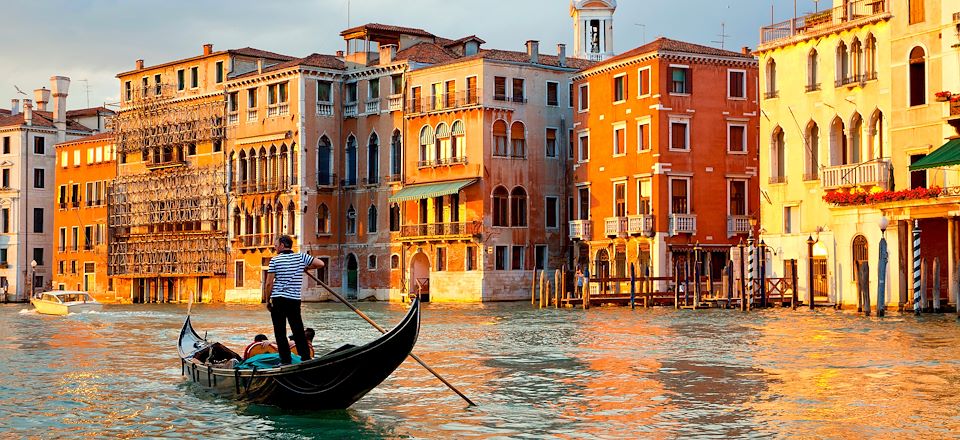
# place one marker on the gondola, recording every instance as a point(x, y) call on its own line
point(332, 381)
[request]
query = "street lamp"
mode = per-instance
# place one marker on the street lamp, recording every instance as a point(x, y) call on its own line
point(810, 243)
point(33, 270)
point(882, 266)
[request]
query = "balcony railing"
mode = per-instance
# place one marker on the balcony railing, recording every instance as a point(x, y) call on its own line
point(773, 180)
point(326, 180)
point(393, 178)
point(283, 108)
point(252, 115)
point(738, 224)
point(640, 224)
point(440, 231)
point(615, 226)
point(395, 102)
point(461, 99)
point(324, 109)
point(350, 110)
point(855, 11)
point(874, 173)
point(272, 110)
point(581, 229)
point(373, 106)
point(683, 224)
point(262, 186)
point(233, 117)
point(250, 241)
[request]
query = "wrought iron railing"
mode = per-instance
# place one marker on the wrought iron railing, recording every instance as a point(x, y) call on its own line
point(822, 21)
point(439, 230)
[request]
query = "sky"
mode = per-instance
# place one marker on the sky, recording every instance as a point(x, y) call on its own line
point(91, 41)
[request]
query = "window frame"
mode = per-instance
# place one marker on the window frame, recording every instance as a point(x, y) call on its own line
point(546, 212)
point(620, 182)
point(679, 120)
point(743, 84)
point(556, 85)
point(181, 80)
point(581, 135)
point(621, 79)
point(745, 143)
point(644, 121)
point(670, 199)
point(640, 82)
point(584, 89)
point(687, 83)
point(194, 77)
point(746, 196)
point(619, 150)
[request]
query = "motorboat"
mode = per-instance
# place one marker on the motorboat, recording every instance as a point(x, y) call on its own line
point(62, 302)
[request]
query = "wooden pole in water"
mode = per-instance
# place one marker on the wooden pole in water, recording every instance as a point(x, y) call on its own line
point(563, 283)
point(865, 282)
point(728, 273)
point(676, 285)
point(558, 287)
point(633, 286)
point(936, 285)
point(586, 294)
point(882, 270)
point(743, 282)
point(859, 279)
point(794, 297)
point(533, 288)
point(543, 293)
point(922, 304)
point(956, 281)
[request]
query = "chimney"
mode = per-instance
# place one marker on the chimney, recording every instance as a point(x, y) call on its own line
point(41, 96)
point(207, 49)
point(745, 50)
point(533, 51)
point(139, 64)
point(339, 54)
point(387, 53)
point(60, 85)
point(259, 65)
point(27, 112)
point(14, 107)
point(562, 55)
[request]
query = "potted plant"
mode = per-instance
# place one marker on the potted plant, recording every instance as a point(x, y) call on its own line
point(943, 96)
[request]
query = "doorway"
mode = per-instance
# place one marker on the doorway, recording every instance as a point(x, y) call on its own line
point(352, 283)
point(420, 276)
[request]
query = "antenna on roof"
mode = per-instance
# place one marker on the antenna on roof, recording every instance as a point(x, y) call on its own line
point(643, 32)
point(86, 85)
point(348, 14)
point(723, 35)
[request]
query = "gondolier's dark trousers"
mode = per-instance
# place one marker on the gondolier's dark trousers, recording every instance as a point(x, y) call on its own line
point(288, 310)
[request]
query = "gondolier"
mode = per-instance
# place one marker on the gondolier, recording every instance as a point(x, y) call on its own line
point(281, 292)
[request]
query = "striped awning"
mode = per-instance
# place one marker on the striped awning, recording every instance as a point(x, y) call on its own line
point(263, 138)
point(428, 190)
point(458, 128)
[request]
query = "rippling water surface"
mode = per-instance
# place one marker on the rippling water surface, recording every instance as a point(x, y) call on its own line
point(603, 373)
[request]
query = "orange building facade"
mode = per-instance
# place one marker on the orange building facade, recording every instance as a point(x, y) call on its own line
point(664, 159)
point(84, 169)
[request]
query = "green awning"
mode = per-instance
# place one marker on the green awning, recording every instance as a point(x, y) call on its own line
point(427, 190)
point(946, 155)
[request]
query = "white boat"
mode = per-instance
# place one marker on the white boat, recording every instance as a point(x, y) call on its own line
point(62, 302)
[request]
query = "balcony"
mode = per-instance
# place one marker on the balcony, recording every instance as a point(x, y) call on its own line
point(261, 187)
point(326, 181)
point(252, 115)
point(233, 117)
point(738, 224)
point(253, 241)
point(350, 110)
point(394, 178)
point(462, 99)
point(873, 173)
point(854, 13)
point(581, 229)
point(324, 109)
point(395, 102)
point(615, 226)
point(373, 106)
point(640, 225)
point(683, 224)
point(440, 231)
point(283, 108)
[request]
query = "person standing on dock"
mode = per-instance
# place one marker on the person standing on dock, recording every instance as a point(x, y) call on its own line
point(281, 291)
point(579, 277)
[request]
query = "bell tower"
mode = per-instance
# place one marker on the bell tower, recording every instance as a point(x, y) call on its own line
point(593, 28)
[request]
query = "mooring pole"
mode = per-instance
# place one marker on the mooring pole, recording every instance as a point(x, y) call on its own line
point(882, 269)
point(916, 267)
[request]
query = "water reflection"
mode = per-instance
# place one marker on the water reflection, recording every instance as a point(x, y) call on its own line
point(604, 373)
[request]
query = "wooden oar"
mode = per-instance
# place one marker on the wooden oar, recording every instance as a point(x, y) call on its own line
point(381, 329)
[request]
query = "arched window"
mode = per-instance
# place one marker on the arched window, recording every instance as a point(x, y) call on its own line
point(426, 141)
point(860, 254)
point(813, 79)
point(499, 138)
point(283, 167)
point(324, 161)
point(372, 219)
point(500, 206)
point(373, 159)
point(351, 220)
point(394, 261)
point(278, 219)
point(518, 143)
point(876, 135)
point(457, 143)
point(811, 169)
point(771, 72)
point(272, 166)
point(870, 58)
point(371, 262)
point(838, 143)
point(351, 161)
point(291, 219)
point(323, 219)
point(267, 219)
point(856, 60)
point(918, 76)
point(442, 145)
point(394, 217)
point(242, 171)
point(777, 157)
point(855, 139)
point(843, 64)
point(396, 155)
point(237, 231)
point(518, 207)
point(262, 168)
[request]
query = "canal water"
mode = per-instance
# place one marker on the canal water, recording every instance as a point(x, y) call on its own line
point(603, 373)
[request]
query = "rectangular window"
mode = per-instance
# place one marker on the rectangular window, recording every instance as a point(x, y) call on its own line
point(516, 262)
point(324, 89)
point(219, 71)
point(518, 92)
point(500, 259)
point(252, 98)
point(643, 82)
point(471, 262)
point(551, 144)
point(5, 220)
point(144, 86)
point(643, 196)
point(6, 178)
point(38, 256)
point(194, 77)
point(472, 90)
point(736, 138)
point(351, 92)
point(737, 84)
point(3, 257)
point(553, 93)
point(62, 240)
point(232, 104)
point(127, 91)
point(272, 94)
point(584, 195)
point(679, 135)
point(75, 235)
point(181, 80)
point(619, 140)
point(540, 256)
point(678, 197)
point(584, 98)
point(916, 11)
point(450, 94)
point(396, 82)
point(643, 136)
point(552, 212)
point(416, 103)
point(584, 147)
point(620, 88)
point(620, 199)
point(60, 267)
point(499, 88)
point(38, 177)
point(570, 95)
point(791, 219)
point(76, 157)
point(918, 178)
point(738, 197)
point(323, 273)
point(39, 145)
point(680, 80)
point(38, 220)
point(157, 85)
point(282, 92)
point(87, 237)
point(6, 145)
point(441, 259)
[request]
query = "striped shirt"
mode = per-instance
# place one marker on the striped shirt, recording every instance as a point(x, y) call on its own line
point(287, 269)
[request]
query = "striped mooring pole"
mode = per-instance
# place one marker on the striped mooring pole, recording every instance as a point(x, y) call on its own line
point(750, 272)
point(916, 267)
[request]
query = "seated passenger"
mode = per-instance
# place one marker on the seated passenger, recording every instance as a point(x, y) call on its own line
point(309, 333)
point(259, 345)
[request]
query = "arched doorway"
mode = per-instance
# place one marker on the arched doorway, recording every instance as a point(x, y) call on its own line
point(351, 281)
point(420, 275)
point(603, 267)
